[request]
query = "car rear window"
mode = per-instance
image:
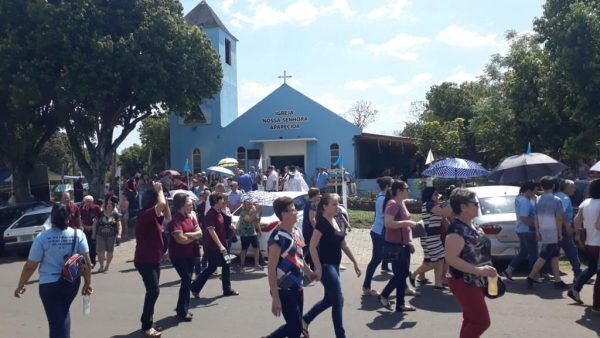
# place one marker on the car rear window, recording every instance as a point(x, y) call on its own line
point(497, 205)
point(32, 220)
point(267, 211)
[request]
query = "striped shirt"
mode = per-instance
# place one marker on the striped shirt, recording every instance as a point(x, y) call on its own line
point(290, 268)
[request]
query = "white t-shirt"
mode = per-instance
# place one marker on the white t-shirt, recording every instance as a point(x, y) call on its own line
point(591, 211)
point(273, 181)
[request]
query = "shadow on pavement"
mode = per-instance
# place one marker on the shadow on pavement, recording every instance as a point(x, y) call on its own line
point(165, 323)
point(382, 277)
point(203, 302)
point(247, 276)
point(543, 290)
point(369, 303)
point(389, 321)
point(435, 301)
point(169, 284)
point(590, 321)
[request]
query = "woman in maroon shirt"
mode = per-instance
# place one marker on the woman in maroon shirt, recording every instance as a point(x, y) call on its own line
point(148, 251)
point(184, 249)
point(397, 239)
point(214, 247)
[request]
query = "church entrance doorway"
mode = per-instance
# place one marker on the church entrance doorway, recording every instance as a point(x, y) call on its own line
point(281, 161)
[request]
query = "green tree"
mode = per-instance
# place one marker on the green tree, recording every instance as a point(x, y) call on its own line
point(155, 137)
point(125, 61)
point(570, 34)
point(131, 160)
point(56, 154)
point(29, 74)
point(445, 139)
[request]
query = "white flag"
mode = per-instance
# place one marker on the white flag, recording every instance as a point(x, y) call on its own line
point(430, 158)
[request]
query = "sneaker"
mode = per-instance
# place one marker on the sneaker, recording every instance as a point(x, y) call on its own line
point(530, 282)
point(370, 292)
point(384, 302)
point(411, 292)
point(574, 295)
point(405, 308)
point(546, 276)
point(186, 317)
point(560, 285)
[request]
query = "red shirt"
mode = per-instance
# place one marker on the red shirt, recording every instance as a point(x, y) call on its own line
point(181, 186)
point(182, 224)
point(398, 236)
point(148, 235)
point(88, 215)
point(73, 220)
point(214, 219)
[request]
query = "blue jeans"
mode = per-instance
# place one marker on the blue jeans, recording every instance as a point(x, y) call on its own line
point(377, 241)
point(568, 245)
point(401, 270)
point(528, 250)
point(292, 304)
point(185, 269)
point(57, 298)
point(333, 298)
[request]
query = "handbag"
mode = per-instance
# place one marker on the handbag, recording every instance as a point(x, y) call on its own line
point(74, 265)
point(392, 252)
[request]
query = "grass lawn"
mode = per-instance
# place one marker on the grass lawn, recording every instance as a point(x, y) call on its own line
point(360, 219)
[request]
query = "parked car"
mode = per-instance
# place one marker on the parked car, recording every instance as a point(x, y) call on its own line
point(497, 218)
point(20, 234)
point(268, 220)
point(9, 214)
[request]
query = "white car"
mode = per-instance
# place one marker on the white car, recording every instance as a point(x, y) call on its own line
point(497, 218)
point(265, 200)
point(20, 233)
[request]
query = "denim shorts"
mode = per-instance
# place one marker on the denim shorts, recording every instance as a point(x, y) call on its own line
point(550, 251)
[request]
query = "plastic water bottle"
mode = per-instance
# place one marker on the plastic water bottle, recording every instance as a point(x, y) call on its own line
point(227, 257)
point(493, 286)
point(87, 305)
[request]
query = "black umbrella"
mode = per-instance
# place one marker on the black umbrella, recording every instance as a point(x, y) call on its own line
point(526, 168)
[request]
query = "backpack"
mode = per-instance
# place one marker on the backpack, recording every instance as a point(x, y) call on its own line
point(74, 265)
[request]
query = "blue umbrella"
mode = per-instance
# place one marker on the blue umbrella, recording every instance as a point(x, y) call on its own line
point(455, 168)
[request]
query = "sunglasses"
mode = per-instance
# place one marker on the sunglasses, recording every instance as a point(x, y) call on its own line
point(474, 203)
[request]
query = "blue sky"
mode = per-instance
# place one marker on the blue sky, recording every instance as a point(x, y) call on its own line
point(388, 52)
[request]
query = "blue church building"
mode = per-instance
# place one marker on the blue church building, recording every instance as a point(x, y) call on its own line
point(284, 128)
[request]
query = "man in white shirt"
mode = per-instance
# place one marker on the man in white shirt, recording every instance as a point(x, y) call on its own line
point(272, 180)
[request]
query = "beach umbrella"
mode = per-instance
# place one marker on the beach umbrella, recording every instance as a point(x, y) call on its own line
point(456, 168)
point(228, 162)
point(595, 167)
point(171, 171)
point(526, 168)
point(191, 194)
point(219, 170)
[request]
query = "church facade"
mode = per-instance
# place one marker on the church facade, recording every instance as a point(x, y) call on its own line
point(284, 128)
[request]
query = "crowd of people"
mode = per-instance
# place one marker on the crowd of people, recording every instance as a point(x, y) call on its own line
point(196, 230)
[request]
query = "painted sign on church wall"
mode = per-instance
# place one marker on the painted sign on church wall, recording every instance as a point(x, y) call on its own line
point(285, 119)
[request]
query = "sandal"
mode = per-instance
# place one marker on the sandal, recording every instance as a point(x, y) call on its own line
point(151, 332)
point(305, 333)
point(424, 281)
point(405, 308)
point(370, 292)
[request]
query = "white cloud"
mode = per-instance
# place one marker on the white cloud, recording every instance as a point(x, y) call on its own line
point(226, 4)
point(250, 92)
point(454, 35)
point(300, 12)
point(357, 42)
point(421, 78)
point(392, 9)
point(358, 85)
point(335, 104)
point(460, 76)
point(401, 89)
point(391, 118)
point(402, 46)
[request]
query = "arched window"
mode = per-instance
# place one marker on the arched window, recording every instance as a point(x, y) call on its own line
point(334, 153)
point(241, 157)
point(196, 164)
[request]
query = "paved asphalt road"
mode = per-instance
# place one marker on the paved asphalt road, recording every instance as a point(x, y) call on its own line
point(118, 298)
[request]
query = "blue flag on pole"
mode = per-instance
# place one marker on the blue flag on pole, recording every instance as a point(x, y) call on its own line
point(528, 151)
point(340, 162)
point(186, 167)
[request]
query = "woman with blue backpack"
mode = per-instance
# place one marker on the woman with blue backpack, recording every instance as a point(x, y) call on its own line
point(62, 255)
